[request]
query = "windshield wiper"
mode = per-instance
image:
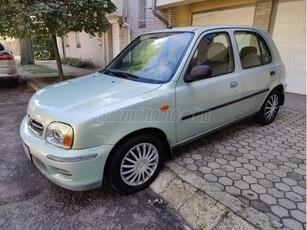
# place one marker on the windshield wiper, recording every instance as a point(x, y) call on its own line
point(120, 74)
point(106, 71)
point(125, 74)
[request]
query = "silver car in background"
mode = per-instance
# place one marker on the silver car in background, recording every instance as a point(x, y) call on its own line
point(8, 68)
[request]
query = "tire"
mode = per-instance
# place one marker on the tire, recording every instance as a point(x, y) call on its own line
point(131, 168)
point(269, 109)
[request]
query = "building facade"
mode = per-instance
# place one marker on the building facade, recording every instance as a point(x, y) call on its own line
point(285, 20)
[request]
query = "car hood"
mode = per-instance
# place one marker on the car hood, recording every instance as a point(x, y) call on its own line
point(83, 95)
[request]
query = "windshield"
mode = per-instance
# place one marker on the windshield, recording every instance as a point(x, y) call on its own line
point(151, 58)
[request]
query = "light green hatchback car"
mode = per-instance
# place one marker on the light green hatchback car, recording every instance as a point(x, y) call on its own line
point(166, 89)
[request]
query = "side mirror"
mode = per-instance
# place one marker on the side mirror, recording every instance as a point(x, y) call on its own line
point(198, 73)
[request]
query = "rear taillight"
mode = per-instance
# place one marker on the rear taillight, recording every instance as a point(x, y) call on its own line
point(6, 57)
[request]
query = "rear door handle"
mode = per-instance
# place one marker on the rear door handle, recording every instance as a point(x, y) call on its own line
point(234, 84)
point(272, 73)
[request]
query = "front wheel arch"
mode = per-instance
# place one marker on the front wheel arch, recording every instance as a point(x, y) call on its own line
point(154, 131)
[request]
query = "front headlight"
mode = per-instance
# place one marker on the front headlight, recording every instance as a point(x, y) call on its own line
point(60, 135)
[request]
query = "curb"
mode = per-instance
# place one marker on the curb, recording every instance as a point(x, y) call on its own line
point(31, 84)
point(205, 206)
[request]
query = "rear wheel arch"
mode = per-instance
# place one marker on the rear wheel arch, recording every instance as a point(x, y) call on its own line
point(281, 90)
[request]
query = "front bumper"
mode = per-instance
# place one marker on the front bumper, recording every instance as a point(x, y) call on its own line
point(76, 170)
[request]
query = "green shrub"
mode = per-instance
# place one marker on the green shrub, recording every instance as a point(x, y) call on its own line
point(77, 62)
point(42, 49)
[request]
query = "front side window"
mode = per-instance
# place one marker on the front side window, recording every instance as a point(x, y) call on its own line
point(151, 58)
point(215, 51)
point(253, 49)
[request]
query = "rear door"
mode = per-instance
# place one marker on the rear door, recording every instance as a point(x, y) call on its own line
point(258, 71)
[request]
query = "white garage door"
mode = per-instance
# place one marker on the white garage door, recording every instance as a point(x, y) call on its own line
point(289, 35)
point(239, 16)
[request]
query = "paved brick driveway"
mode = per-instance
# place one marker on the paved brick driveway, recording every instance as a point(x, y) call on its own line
point(264, 167)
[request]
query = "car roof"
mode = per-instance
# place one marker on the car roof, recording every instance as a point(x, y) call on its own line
point(202, 28)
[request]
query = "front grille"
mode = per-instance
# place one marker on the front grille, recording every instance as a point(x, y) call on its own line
point(36, 127)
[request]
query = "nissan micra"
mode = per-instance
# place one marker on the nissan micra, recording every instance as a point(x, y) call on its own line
point(166, 89)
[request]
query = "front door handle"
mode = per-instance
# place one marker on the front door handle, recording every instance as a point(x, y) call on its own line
point(234, 84)
point(272, 73)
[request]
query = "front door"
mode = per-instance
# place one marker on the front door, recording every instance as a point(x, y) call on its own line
point(209, 103)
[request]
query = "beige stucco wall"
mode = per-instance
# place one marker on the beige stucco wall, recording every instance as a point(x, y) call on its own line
point(95, 49)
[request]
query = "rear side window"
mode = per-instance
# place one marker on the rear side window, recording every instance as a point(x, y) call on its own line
point(1, 47)
point(253, 49)
point(215, 51)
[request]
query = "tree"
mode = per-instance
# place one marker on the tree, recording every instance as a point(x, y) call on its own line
point(26, 52)
point(39, 18)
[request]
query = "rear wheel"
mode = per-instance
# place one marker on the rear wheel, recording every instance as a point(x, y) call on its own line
point(269, 108)
point(136, 163)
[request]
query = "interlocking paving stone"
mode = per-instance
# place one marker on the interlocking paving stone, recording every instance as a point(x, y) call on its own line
point(273, 178)
point(225, 181)
point(260, 205)
point(205, 170)
point(210, 177)
point(250, 179)
point(234, 176)
point(257, 174)
point(266, 183)
point(232, 190)
point(263, 166)
point(258, 188)
point(295, 176)
point(289, 181)
point(227, 168)
point(219, 172)
point(279, 173)
point(299, 215)
point(200, 163)
point(279, 211)
point(268, 199)
point(283, 187)
point(299, 190)
point(241, 184)
point(192, 167)
point(196, 156)
point(188, 160)
point(302, 184)
point(242, 171)
point(294, 197)
point(286, 203)
point(302, 206)
point(292, 224)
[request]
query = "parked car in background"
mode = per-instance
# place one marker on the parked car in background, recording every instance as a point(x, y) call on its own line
point(166, 89)
point(8, 70)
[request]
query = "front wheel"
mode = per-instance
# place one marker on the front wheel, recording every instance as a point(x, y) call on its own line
point(136, 163)
point(269, 108)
